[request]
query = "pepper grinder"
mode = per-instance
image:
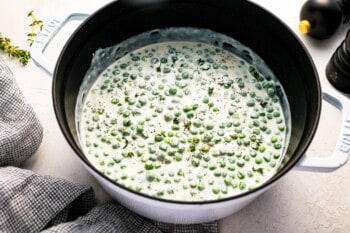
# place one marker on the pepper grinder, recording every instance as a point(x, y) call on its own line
point(320, 19)
point(338, 67)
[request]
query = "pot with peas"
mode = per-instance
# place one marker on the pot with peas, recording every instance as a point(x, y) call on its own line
point(186, 111)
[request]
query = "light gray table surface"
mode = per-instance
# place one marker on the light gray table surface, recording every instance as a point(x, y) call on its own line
point(300, 202)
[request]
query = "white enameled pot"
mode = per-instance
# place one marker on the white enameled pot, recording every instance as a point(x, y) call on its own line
point(298, 77)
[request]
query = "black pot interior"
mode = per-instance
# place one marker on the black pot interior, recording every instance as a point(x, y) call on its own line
point(240, 19)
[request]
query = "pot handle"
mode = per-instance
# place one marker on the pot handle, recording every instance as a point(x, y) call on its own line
point(342, 149)
point(44, 38)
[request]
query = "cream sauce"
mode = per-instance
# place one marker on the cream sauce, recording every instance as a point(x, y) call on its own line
point(185, 121)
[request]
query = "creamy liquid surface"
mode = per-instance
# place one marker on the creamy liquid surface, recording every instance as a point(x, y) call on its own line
point(184, 121)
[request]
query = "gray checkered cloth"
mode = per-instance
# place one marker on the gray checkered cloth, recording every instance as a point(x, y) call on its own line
point(115, 218)
point(34, 203)
point(20, 130)
point(30, 203)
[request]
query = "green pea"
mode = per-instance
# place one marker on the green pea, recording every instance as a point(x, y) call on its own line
point(127, 122)
point(212, 166)
point(158, 138)
point(201, 186)
point(281, 128)
point(258, 160)
point(273, 139)
point(250, 174)
point(124, 176)
point(160, 193)
point(195, 107)
point(207, 138)
point(170, 190)
point(217, 173)
point(177, 179)
point(262, 149)
point(181, 149)
point(205, 100)
point(242, 185)
point(209, 126)
point(167, 181)
point(95, 118)
point(142, 101)
point(277, 146)
point(271, 91)
point(192, 147)
point(168, 117)
point(240, 163)
point(172, 90)
point(131, 101)
point(251, 103)
point(178, 157)
point(276, 156)
point(193, 184)
point(227, 139)
point(215, 153)
point(195, 162)
point(149, 166)
point(276, 114)
point(171, 152)
point(272, 164)
point(216, 190)
point(228, 181)
point(126, 132)
point(222, 163)
point(187, 108)
point(190, 115)
point(151, 149)
point(220, 133)
point(185, 75)
point(197, 123)
point(135, 58)
point(140, 128)
point(161, 157)
point(117, 159)
point(171, 173)
point(175, 127)
point(139, 153)
point(123, 65)
point(193, 131)
point(115, 101)
point(174, 142)
point(163, 60)
point(126, 113)
point(205, 148)
point(166, 70)
point(240, 175)
point(206, 158)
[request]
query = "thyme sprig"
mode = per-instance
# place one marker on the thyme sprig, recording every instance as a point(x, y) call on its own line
point(14, 51)
point(33, 25)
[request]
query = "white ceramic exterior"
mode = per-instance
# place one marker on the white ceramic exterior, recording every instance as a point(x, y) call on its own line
point(170, 212)
point(191, 213)
point(183, 213)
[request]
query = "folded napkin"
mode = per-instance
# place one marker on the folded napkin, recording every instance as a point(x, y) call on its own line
point(112, 217)
point(35, 203)
point(20, 130)
point(30, 203)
